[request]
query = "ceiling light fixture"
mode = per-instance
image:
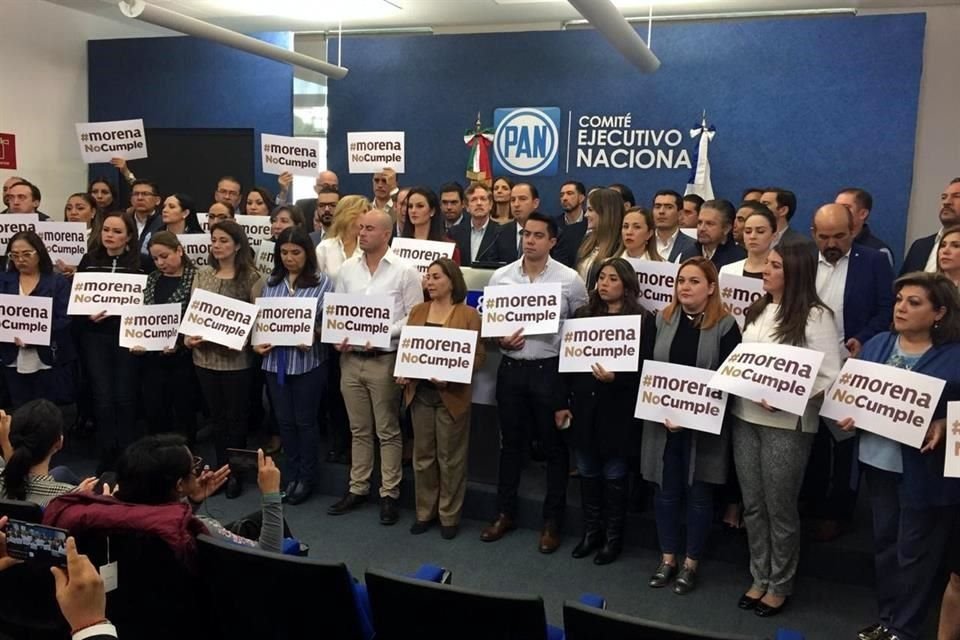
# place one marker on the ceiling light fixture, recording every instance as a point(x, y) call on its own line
point(607, 19)
point(140, 10)
point(730, 15)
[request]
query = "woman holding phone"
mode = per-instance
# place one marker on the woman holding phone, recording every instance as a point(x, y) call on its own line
point(296, 375)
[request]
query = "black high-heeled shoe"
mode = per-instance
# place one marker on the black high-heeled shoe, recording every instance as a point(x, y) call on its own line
point(763, 610)
point(746, 602)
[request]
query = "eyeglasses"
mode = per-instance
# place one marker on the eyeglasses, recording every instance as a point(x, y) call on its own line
point(143, 194)
point(228, 192)
point(326, 205)
point(197, 467)
point(22, 255)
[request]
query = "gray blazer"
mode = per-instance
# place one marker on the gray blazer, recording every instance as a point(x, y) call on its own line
point(709, 454)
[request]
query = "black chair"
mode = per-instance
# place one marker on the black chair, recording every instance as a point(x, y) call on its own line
point(409, 608)
point(158, 595)
point(581, 622)
point(28, 604)
point(257, 594)
point(21, 510)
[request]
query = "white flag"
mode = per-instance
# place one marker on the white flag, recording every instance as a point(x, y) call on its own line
point(700, 183)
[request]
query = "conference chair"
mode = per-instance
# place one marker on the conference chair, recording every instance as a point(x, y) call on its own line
point(409, 608)
point(584, 622)
point(28, 605)
point(257, 594)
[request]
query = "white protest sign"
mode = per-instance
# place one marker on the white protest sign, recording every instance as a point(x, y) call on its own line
point(257, 229)
point(284, 322)
point(611, 341)
point(196, 246)
point(93, 293)
point(690, 232)
point(436, 352)
point(218, 319)
point(737, 293)
point(781, 374)
point(204, 222)
point(66, 241)
point(102, 141)
point(299, 156)
point(889, 401)
point(265, 257)
point(951, 458)
point(657, 280)
point(680, 394)
point(358, 318)
point(420, 253)
point(13, 223)
point(535, 308)
point(29, 318)
point(371, 151)
point(152, 327)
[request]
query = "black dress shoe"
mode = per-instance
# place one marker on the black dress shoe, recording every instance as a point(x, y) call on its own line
point(663, 575)
point(686, 581)
point(746, 602)
point(288, 491)
point(420, 526)
point(234, 488)
point(389, 513)
point(301, 492)
point(873, 632)
point(449, 531)
point(346, 504)
point(763, 610)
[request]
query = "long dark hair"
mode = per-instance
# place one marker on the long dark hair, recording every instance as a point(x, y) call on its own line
point(35, 429)
point(799, 295)
point(191, 222)
point(308, 276)
point(31, 238)
point(243, 265)
point(172, 242)
point(148, 470)
point(437, 231)
point(129, 259)
point(942, 293)
point(110, 187)
point(631, 292)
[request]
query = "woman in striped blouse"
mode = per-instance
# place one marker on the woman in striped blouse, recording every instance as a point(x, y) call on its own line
point(296, 374)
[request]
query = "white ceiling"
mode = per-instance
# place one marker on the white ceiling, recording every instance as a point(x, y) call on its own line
point(451, 15)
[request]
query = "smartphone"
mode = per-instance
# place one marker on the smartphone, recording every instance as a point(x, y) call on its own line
point(242, 461)
point(36, 543)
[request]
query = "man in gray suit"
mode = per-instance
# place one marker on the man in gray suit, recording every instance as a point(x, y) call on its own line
point(672, 245)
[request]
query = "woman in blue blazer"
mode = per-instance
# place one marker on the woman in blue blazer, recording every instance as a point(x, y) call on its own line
point(30, 371)
point(913, 504)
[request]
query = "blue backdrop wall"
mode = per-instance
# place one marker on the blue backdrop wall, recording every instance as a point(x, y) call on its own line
point(185, 82)
point(808, 104)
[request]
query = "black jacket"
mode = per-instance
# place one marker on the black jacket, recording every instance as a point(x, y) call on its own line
point(460, 234)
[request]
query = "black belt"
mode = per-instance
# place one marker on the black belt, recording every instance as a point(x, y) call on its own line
point(507, 361)
point(362, 353)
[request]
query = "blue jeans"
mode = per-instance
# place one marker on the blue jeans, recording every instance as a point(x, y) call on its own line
point(590, 465)
point(669, 497)
point(295, 405)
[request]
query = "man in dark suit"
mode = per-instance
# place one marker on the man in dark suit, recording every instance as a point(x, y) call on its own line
point(672, 245)
point(856, 282)
point(524, 200)
point(325, 179)
point(860, 202)
point(922, 255)
point(476, 235)
point(714, 224)
point(322, 216)
point(572, 223)
point(783, 204)
point(24, 197)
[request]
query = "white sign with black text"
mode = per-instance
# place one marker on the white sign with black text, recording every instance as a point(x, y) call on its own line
point(299, 156)
point(657, 281)
point(94, 293)
point(680, 394)
point(65, 241)
point(737, 293)
point(613, 342)
point(29, 318)
point(13, 223)
point(151, 327)
point(438, 353)
point(218, 319)
point(103, 141)
point(358, 318)
point(371, 151)
point(535, 308)
point(420, 253)
point(284, 321)
point(196, 246)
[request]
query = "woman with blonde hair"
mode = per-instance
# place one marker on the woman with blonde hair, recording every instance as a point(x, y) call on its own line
point(604, 222)
point(341, 242)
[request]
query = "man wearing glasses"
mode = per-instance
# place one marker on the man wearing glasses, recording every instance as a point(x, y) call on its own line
point(145, 198)
point(327, 199)
point(228, 191)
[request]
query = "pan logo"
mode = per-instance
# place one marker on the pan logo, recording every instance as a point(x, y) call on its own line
point(526, 140)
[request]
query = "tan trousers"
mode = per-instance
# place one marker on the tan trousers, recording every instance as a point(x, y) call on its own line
point(439, 457)
point(372, 398)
